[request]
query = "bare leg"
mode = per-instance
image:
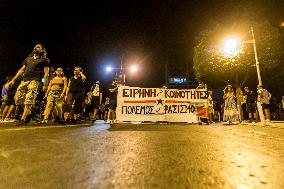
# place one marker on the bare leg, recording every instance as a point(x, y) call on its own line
point(267, 114)
point(5, 110)
point(27, 111)
point(11, 108)
point(47, 110)
point(95, 113)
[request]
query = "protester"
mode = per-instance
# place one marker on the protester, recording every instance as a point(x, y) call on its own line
point(250, 104)
point(241, 104)
point(89, 107)
point(55, 96)
point(210, 107)
point(231, 114)
point(8, 103)
point(106, 108)
point(264, 97)
point(75, 94)
point(113, 89)
point(96, 99)
point(201, 85)
point(27, 91)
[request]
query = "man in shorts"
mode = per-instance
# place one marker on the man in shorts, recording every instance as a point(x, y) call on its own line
point(33, 67)
point(264, 97)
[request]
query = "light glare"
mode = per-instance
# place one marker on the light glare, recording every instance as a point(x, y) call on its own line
point(108, 69)
point(133, 68)
point(231, 46)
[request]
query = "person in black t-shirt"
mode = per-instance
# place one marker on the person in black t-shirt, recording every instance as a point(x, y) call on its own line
point(33, 66)
point(250, 104)
point(75, 94)
point(113, 89)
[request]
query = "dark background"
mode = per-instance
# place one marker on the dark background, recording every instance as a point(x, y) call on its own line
point(95, 34)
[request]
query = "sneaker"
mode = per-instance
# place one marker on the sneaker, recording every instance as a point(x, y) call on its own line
point(42, 122)
point(20, 123)
point(11, 120)
point(267, 122)
point(61, 121)
point(226, 123)
point(74, 121)
point(28, 119)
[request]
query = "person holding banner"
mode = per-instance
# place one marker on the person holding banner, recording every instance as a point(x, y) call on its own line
point(113, 89)
point(231, 114)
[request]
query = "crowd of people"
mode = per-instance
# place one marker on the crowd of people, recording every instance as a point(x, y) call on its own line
point(37, 92)
point(247, 106)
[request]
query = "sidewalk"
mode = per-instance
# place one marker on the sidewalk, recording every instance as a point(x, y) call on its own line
point(278, 124)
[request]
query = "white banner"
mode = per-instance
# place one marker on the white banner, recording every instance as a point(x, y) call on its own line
point(156, 104)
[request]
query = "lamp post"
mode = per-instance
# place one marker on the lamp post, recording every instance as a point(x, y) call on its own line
point(256, 58)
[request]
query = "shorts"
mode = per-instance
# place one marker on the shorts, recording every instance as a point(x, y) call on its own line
point(251, 107)
point(107, 107)
point(9, 100)
point(27, 92)
point(54, 96)
point(78, 104)
point(95, 102)
point(265, 106)
point(113, 104)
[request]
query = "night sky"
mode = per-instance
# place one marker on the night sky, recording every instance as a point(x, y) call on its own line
point(94, 35)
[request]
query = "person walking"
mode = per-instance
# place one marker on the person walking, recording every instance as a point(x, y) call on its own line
point(75, 94)
point(55, 96)
point(33, 67)
point(96, 99)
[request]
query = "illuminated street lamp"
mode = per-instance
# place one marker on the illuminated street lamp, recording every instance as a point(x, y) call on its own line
point(231, 47)
point(132, 69)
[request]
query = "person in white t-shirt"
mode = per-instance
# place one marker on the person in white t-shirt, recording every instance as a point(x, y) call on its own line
point(264, 97)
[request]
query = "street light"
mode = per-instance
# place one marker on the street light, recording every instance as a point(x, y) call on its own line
point(231, 47)
point(132, 69)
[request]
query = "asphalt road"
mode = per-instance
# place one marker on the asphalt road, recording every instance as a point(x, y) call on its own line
point(141, 156)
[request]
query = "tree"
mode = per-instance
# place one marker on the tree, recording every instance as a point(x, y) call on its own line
point(211, 66)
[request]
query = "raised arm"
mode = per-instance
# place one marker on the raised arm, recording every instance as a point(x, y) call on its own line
point(83, 76)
